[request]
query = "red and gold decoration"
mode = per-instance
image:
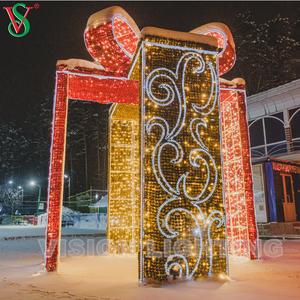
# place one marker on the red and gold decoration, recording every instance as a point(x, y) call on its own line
point(182, 209)
point(74, 86)
point(239, 195)
point(225, 42)
point(241, 224)
point(111, 37)
point(81, 80)
point(287, 168)
point(165, 163)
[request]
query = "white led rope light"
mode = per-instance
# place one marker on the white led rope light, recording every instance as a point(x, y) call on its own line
point(116, 39)
point(195, 131)
point(214, 90)
point(167, 139)
point(221, 222)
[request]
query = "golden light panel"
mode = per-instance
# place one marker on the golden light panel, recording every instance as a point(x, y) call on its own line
point(182, 208)
point(124, 178)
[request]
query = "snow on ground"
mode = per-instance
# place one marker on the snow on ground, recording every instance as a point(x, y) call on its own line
point(17, 231)
point(99, 277)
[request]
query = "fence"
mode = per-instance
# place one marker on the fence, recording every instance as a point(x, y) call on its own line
point(84, 221)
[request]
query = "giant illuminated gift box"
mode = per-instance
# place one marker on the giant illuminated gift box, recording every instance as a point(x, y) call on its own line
point(174, 79)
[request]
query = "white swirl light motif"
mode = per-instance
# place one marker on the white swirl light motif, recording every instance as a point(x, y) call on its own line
point(195, 133)
point(221, 222)
point(188, 275)
point(158, 219)
point(170, 91)
point(174, 87)
point(204, 110)
point(194, 163)
point(157, 153)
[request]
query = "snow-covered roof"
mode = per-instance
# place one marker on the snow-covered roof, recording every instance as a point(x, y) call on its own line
point(178, 35)
point(274, 100)
point(103, 202)
point(73, 64)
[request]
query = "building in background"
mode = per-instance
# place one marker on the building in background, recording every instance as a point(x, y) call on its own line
point(274, 126)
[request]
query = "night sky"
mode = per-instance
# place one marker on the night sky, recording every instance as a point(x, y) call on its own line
point(56, 33)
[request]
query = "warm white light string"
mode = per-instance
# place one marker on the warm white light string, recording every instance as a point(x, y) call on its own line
point(167, 138)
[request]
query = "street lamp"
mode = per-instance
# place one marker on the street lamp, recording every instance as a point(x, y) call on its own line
point(20, 188)
point(39, 199)
point(69, 184)
point(12, 203)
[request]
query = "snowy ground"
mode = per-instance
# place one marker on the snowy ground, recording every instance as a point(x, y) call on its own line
point(100, 277)
point(25, 231)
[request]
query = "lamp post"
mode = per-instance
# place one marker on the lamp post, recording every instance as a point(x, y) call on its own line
point(21, 190)
point(12, 211)
point(12, 204)
point(69, 185)
point(39, 198)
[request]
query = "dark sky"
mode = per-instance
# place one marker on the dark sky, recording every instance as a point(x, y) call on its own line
point(56, 32)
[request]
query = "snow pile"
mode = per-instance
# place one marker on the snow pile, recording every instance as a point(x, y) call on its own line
point(177, 35)
point(235, 83)
point(42, 219)
point(73, 64)
point(67, 211)
point(103, 202)
point(80, 220)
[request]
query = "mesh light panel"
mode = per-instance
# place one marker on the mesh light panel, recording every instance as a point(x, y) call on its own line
point(71, 85)
point(240, 210)
point(182, 209)
point(241, 224)
point(165, 152)
point(124, 179)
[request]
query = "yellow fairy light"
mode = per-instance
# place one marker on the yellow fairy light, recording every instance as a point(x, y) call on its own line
point(123, 207)
point(178, 101)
